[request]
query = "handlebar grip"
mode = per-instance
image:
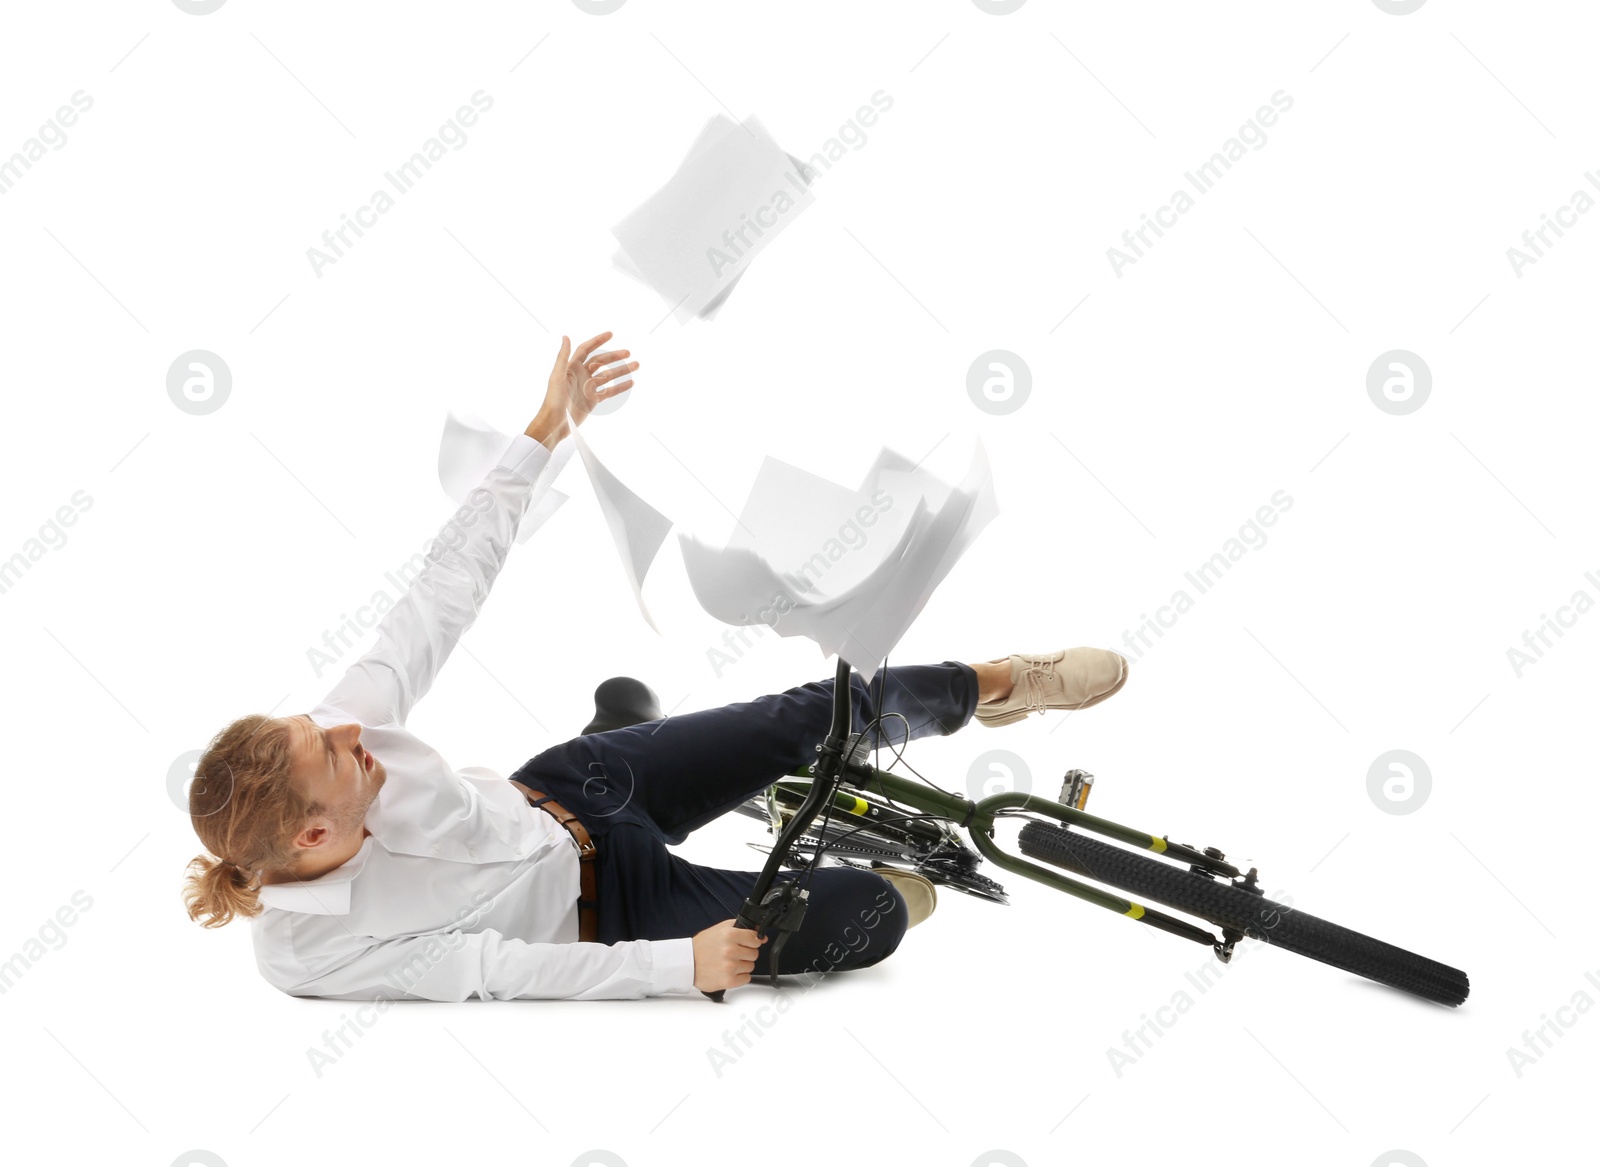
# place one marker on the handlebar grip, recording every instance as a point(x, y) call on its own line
point(739, 922)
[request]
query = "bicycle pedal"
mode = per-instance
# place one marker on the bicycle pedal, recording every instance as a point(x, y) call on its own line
point(1075, 788)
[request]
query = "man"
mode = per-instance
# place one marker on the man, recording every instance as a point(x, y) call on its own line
point(370, 869)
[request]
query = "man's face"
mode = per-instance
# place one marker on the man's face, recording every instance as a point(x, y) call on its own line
point(332, 767)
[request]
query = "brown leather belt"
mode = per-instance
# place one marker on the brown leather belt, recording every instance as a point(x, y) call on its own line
point(588, 905)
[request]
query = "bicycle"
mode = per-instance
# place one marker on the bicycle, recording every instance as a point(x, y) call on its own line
point(887, 819)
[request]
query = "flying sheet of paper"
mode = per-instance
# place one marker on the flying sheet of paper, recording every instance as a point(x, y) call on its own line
point(709, 312)
point(732, 194)
point(625, 265)
point(637, 527)
point(848, 584)
point(470, 447)
point(849, 569)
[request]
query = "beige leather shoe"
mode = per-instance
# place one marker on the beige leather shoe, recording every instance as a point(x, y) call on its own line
point(916, 890)
point(1074, 678)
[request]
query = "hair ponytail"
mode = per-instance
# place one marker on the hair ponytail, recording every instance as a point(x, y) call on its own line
point(220, 891)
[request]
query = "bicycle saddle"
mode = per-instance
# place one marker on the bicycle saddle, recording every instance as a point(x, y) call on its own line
point(622, 701)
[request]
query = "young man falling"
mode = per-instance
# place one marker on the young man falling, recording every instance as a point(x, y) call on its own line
point(370, 869)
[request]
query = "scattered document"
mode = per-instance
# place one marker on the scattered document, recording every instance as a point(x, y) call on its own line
point(637, 527)
point(692, 240)
point(851, 570)
point(470, 447)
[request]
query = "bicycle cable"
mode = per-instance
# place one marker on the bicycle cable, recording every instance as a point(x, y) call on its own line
point(850, 749)
point(876, 727)
point(899, 757)
point(876, 724)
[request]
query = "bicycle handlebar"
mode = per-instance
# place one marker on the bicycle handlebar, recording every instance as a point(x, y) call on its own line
point(757, 912)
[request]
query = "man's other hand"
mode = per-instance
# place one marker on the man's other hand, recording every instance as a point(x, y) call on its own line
point(725, 956)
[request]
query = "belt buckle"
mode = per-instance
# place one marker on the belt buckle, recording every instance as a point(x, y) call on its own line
point(586, 848)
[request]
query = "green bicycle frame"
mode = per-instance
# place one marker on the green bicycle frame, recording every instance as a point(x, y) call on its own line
point(979, 817)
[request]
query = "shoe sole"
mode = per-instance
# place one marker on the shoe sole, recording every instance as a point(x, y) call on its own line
point(910, 879)
point(1019, 714)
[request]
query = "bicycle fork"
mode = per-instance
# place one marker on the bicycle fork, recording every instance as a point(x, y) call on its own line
point(978, 819)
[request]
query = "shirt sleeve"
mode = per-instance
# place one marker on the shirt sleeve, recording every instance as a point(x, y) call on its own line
point(416, 636)
point(454, 966)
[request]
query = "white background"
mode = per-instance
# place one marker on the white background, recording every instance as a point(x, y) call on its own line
point(1228, 363)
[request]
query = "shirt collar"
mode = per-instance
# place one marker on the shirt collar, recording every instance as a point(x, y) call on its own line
point(326, 895)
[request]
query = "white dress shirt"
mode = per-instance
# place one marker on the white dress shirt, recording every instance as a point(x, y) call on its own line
point(462, 889)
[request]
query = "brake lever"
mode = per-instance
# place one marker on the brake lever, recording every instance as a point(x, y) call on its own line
point(784, 907)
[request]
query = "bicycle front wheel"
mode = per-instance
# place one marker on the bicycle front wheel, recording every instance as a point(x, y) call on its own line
point(1228, 906)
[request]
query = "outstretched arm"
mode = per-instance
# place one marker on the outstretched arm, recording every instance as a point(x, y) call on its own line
point(417, 635)
point(456, 965)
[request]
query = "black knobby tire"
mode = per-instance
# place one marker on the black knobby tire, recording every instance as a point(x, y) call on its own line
point(1225, 905)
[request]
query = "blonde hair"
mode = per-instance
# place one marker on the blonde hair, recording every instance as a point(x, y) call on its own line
point(246, 807)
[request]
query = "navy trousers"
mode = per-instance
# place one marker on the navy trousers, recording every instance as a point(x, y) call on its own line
point(641, 787)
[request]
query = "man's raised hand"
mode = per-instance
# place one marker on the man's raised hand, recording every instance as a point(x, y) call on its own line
point(579, 381)
point(589, 380)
